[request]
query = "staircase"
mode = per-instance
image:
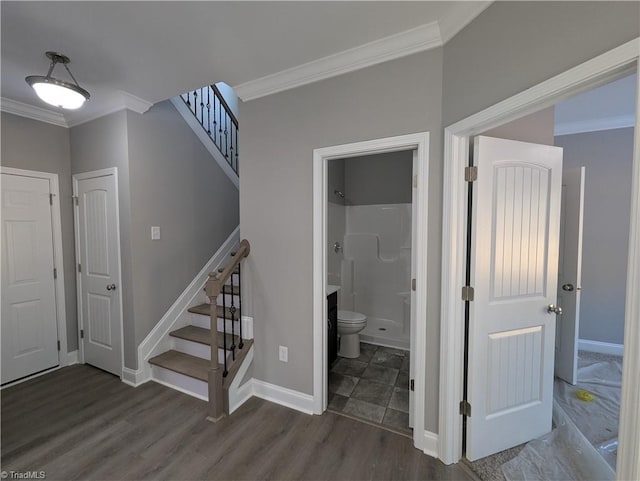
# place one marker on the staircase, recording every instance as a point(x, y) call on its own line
point(207, 354)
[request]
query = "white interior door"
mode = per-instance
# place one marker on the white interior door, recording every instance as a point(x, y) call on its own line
point(514, 271)
point(29, 323)
point(570, 274)
point(99, 271)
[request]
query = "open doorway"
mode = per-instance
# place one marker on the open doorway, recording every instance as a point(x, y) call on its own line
point(328, 203)
point(596, 133)
point(369, 234)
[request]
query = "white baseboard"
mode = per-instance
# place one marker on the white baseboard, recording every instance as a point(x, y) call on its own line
point(133, 378)
point(429, 444)
point(238, 395)
point(283, 396)
point(168, 322)
point(600, 347)
point(72, 358)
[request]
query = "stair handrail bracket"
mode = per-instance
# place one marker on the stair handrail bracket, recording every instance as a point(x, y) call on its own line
point(214, 287)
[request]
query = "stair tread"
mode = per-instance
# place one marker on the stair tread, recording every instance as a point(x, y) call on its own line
point(203, 336)
point(205, 310)
point(182, 363)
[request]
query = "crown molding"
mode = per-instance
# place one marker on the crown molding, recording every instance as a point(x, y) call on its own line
point(460, 15)
point(32, 112)
point(594, 125)
point(424, 37)
point(122, 100)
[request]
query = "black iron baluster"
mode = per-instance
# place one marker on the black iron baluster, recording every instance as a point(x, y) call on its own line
point(195, 101)
point(201, 108)
point(215, 122)
point(209, 112)
point(226, 139)
point(220, 124)
point(241, 343)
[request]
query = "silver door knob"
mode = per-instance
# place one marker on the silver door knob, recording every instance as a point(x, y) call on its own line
point(553, 309)
point(111, 287)
point(568, 287)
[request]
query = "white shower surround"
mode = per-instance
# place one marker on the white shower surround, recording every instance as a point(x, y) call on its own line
point(376, 271)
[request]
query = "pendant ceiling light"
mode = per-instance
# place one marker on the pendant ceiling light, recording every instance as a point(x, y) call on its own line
point(56, 92)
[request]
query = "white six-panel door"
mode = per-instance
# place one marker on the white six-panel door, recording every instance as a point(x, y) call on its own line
point(99, 277)
point(514, 265)
point(570, 274)
point(29, 320)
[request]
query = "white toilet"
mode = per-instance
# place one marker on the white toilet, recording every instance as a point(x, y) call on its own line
point(349, 325)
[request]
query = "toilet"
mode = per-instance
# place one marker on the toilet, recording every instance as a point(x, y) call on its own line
point(349, 325)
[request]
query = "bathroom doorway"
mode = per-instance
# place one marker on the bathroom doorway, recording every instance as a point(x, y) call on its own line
point(370, 206)
point(369, 227)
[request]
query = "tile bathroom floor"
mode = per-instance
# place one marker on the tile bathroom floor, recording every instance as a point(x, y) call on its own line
point(373, 387)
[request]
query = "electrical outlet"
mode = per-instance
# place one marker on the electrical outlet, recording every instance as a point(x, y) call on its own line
point(284, 353)
point(155, 233)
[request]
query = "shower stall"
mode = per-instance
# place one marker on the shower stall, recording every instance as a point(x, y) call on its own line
point(369, 232)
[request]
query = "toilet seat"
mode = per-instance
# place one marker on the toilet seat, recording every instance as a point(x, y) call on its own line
point(351, 317)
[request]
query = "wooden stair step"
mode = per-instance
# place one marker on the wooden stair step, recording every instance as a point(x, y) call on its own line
point(205, 310)
point(203, 336)
point(182, 363)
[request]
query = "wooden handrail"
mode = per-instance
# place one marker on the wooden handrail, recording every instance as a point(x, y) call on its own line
point(213, 289)
point(225, 105)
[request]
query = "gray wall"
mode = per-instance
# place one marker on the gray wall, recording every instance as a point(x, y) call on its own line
point(175, 184)
point(32, 145)
point(168, 179)
point(536, 128)
point(100, 144)
point(379, 179)
point(608, 157)
point(512, 46)
point(279, 134)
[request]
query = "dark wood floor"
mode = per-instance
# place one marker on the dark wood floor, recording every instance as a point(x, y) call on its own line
point(81, 423)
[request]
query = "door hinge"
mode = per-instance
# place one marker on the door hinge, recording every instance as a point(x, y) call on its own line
point(470, 174)
point(413, 284)
point(465, 408)
point(79, 267)
point(75, 199)
point(50, 199)
point(55, 273)
point(411, 385)
point(58, 345)
point(81, 333)
point(467, 293)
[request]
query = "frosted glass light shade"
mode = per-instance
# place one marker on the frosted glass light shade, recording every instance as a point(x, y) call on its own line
point(59, 95)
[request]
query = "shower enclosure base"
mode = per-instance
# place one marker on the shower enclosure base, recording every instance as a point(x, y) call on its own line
point(383, 332)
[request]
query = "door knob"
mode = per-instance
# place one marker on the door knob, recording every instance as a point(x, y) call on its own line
point(553, 309)
point(111, 287)
point(568, 287)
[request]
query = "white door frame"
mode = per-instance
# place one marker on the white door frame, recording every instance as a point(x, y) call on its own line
point(419, 143)
point(585, 76)
point(64, 358)
point(90, 175)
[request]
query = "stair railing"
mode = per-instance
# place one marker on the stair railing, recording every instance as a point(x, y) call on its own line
point(214, 114)
point(218, 283)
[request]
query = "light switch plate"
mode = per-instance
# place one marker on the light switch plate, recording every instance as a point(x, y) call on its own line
point(155, 233)
point(284, 353)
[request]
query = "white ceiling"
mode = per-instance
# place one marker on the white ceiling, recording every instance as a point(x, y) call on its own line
point(156, 50)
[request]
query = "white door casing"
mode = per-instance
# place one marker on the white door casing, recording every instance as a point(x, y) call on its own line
point(99, 279)
point(570, 273)
point(29, 311)
point(514, 262)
